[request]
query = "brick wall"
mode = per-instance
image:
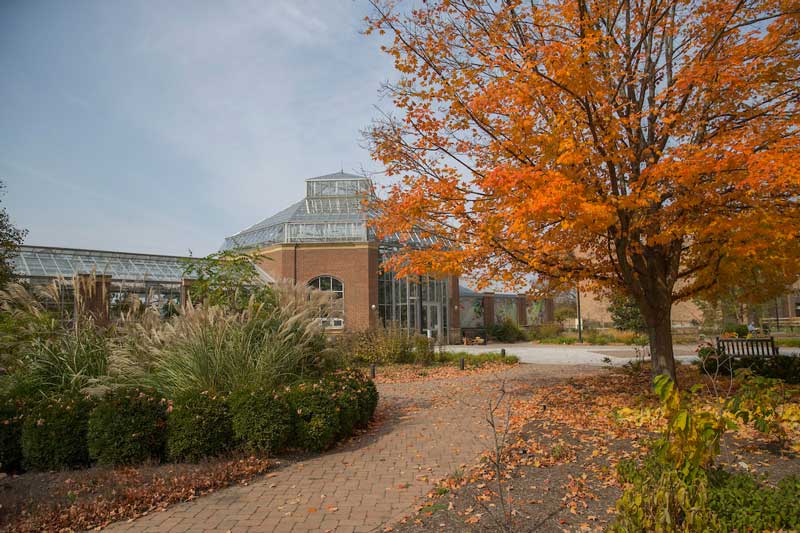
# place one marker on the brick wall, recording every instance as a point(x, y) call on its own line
point(355, 264)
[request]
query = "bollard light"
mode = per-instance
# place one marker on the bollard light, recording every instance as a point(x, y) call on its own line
point(372, 370)
point(461, 363)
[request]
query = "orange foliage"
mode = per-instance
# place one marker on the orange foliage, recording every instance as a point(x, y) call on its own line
point(644, 145)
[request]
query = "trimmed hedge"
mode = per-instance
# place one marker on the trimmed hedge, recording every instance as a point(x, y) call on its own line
point(11, 417)
point(261, 419)
point(356, 398)
point(199, 426)
point(54, 433)
point(316, 415)
point(128, 426)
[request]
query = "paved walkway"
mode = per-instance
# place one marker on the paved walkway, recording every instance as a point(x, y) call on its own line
point(429, 430)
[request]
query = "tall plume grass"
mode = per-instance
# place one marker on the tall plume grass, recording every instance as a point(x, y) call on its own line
point(42, 352)
point(208, 347)
point(203, 347)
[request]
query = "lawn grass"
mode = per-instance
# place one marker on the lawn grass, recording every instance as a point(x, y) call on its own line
point(788, 342)
point(472, 359)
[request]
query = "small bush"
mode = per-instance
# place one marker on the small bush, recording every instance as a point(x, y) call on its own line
point(740, 330)
point(261, 419)
point(783, 367)
point(506, 331)
point(545, 331)
point(11, 417)
point(357, 398)
point(382, 344)
point(199, 426)
point(316, 416)
point(423, 350)
point(128, 426)
point(54, 433)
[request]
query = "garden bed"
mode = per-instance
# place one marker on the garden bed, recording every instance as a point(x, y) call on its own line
point(561, 471)
point(85, 499)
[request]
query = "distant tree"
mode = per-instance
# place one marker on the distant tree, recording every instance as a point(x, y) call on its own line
point(626, 315)
point(11, 239)
point(227, 278)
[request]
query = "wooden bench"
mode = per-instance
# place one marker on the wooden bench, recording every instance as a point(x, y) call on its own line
point(758, 347)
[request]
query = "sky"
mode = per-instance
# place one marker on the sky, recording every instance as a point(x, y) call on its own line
point(162, 127)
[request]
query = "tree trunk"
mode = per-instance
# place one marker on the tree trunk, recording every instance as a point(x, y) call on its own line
point(661, 353)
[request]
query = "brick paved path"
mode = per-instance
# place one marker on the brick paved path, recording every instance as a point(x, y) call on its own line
point(430, 429)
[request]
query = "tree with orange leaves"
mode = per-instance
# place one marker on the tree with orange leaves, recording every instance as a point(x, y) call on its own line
point(645, 146)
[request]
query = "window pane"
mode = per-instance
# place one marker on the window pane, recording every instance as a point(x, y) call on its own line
point(336, 285)
point(325, 283)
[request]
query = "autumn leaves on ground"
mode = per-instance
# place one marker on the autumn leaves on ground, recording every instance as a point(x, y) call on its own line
point(560, 470)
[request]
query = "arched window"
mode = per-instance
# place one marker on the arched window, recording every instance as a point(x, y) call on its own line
point(335, 286)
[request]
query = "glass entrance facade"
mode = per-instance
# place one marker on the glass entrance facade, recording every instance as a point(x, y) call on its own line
point(419, 305)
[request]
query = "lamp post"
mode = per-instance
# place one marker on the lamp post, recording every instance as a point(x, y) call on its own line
point(580, 320)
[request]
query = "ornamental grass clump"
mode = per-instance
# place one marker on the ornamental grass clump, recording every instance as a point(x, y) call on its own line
point(220, 350)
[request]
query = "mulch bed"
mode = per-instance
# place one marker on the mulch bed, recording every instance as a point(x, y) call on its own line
point(94, 497)
point(560, 471)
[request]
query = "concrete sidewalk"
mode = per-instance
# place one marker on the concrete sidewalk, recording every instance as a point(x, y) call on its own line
point(571, 354)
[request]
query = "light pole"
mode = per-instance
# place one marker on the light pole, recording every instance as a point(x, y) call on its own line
point(580, 320)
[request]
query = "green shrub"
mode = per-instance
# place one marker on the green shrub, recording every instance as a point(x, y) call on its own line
point(545, 331)
point(344, 388)
point(261, 419)
point(740, 330)
point(506, 331)
point(783, 367)
point(357, 398)
point(11, 417)
point(423, 350)
point(368, 402)
point(381, 344)
point(199, 426)
point(54, 433)
point(128, 426)
point(316, 416)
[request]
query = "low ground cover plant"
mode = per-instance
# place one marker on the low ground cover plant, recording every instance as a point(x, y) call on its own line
point(678, 487)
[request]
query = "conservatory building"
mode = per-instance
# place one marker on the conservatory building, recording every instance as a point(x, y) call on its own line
point(324, 241)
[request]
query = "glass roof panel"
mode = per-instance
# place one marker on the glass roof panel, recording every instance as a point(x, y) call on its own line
point(33, 261)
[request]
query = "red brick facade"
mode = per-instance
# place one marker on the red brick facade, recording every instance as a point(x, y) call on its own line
point(354, 264)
